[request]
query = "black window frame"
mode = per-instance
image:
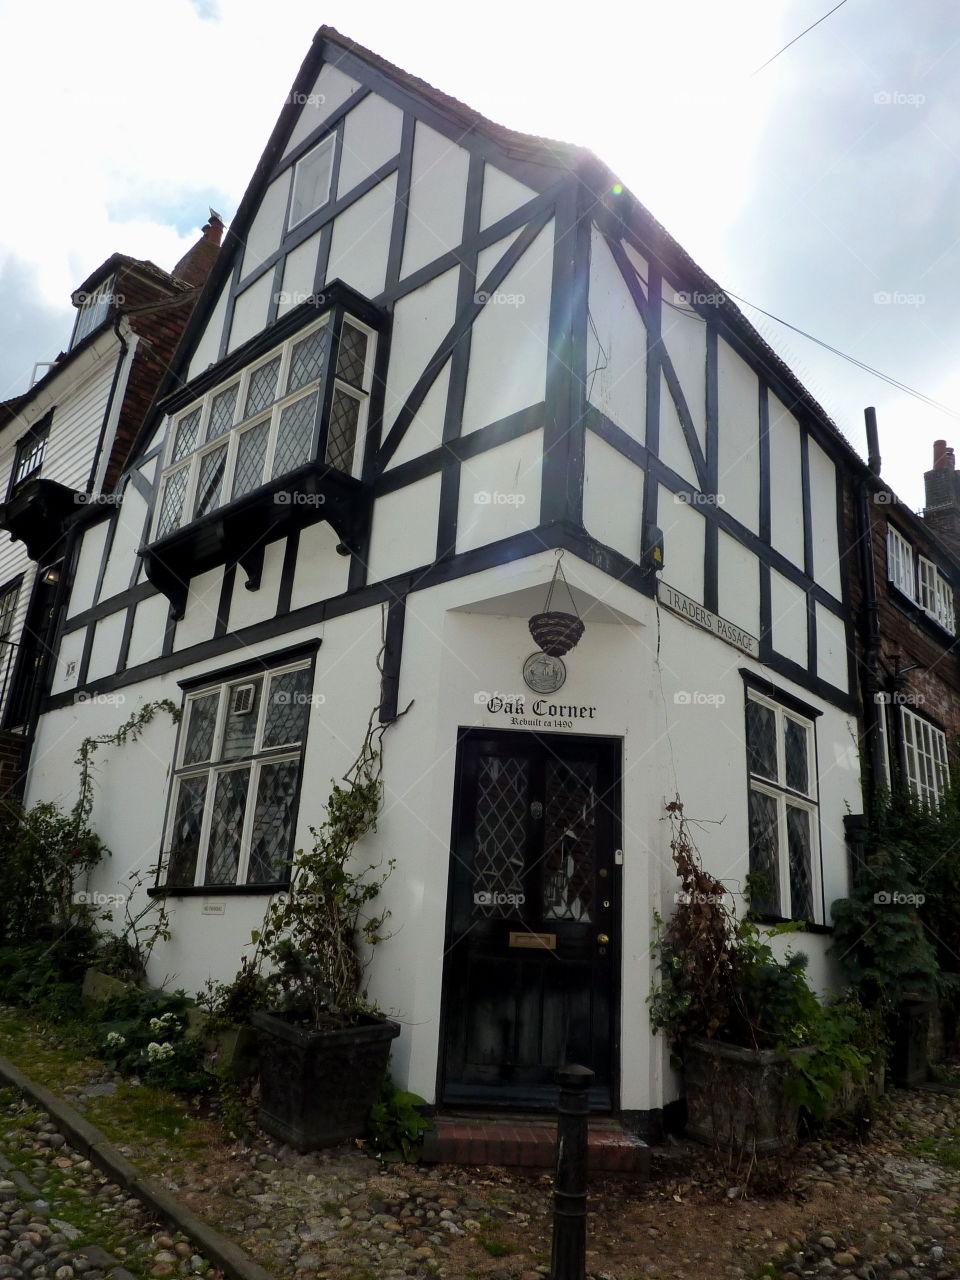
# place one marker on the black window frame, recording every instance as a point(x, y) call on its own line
point(36, 435)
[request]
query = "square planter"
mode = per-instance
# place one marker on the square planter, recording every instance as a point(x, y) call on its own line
point(99, 987)
point(735, 1096)
point(234, 1050)
point(317, 1087)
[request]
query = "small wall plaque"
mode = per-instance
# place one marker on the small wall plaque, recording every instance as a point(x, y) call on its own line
point(214, 909)
point(544, 941)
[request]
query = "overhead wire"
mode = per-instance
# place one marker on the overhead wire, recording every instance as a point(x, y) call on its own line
point(799, 37)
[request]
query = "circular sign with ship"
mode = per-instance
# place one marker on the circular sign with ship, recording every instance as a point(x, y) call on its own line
point(544, 674)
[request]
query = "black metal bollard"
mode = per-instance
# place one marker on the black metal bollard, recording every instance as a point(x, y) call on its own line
point(569, 1258)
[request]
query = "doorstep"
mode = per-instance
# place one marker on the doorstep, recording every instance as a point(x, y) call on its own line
point(529, 1140)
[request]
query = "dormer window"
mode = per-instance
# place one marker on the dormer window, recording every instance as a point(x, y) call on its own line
point(94, 309)
point(311, 181)
point(268, 421)
point(29, 456)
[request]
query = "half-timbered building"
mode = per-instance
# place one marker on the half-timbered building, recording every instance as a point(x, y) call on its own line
point(433, 355)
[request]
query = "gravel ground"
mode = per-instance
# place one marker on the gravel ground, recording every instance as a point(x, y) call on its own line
point(886, 1208)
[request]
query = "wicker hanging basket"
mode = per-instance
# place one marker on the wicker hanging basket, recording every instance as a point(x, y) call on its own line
point(555, 632)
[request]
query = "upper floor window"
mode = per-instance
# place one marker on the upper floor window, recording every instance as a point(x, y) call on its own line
point(30, 450)
point(267, 422)
point(925, 757)
point(783, 809)
point(237, 780)
point(8, 607)
point(311, 181)
point(94, 309)
point(920, 580)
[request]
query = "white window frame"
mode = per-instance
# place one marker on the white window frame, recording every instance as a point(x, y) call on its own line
point(787, 797)
point(328, 144)
point(216, 765)
point(935, 594)
point(900, 562)
point(93, 311)
point(927, 767)
point(240, 425)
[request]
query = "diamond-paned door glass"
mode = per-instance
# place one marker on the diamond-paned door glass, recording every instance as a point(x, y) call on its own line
point(185, 441)
point(288, 702)
point(185, 837)
point(799, 845)
point(210, 483)
point(251, 452)
point(273, 821)
point(761, 739)
point(306, 359)
point(221, 412)
point(226, 826)
point(243, 711)
point(352, 356)
point(795, 739)
point(171, 509)
point(198, 744)
point(501, 836)
point(342, 431)
point(262, 387)
point(764, 853)
point(569, 840)
point(295, 435)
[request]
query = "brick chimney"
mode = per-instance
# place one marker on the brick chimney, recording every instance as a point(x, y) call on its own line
point(942, 486)
point(194, 267)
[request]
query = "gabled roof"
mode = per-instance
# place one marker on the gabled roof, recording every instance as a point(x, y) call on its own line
point(142, 266)
point(561, 156)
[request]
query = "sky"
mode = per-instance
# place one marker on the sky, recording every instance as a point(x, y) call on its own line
point(823, 188)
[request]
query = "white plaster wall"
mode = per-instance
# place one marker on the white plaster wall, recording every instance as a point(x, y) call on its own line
point(738, 437)
point(738, 584)
point(438, 188)
point(683, 537)
point(612, 498)
point(361, 240)
point(786, 496)
point(84, 583)
point(500, 492)
point(250, 311)
point(413, 510)
point(616, 345)
point(320, 571)
point(508, 352)
point(673, 449)
point(331, 89)
point(420, 322)
point(425, 432)
point(502, 194)
point(200, 616)
point(831, 648)
point(823, 516)
point(266, 230)
point(127, 535)
point(249, 607)
point(106, 646)
point(788, 618)
point(684, 337)
point(68, 654)
point(208, 347)
point(299, 269)
point(149, 625)
point(371, 137)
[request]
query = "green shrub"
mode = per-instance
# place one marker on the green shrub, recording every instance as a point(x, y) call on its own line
point(397, 1124)
point(143, 1033)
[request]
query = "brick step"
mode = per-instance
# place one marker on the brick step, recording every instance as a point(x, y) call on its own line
point(529, 1142)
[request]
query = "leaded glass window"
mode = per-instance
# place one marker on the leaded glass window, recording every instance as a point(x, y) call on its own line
point(295, 435)
point(233, 813)
point(251, 455)
point(262, 387)
point(306, 359)
point(210, 484)
point(185, 440)
point(352, 355)
point(171, 508)
point(221, 412)
point(342, 433)
point(782, 811)
point(501, 836)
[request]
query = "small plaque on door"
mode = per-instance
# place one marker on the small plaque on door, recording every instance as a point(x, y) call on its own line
point(547, 941)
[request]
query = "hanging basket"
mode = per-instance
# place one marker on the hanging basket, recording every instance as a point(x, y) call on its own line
point(555, 632)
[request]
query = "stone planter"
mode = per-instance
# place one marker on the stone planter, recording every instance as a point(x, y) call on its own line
point(317, 1087)
point(234, 1050)
point(735, 1096)
point(99, 987)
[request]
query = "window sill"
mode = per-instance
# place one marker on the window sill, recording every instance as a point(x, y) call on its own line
point(216, 890)
point(806, 927)
point(38, 513)
point(239, 531)
point(916, 613)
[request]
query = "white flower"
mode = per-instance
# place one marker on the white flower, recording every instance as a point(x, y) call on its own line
point(115, 1040)
point(159, 1052)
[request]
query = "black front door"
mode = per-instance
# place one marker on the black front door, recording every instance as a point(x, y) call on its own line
point(533, 919)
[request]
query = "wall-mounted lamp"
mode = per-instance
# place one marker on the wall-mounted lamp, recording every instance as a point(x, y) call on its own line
point(52, 576)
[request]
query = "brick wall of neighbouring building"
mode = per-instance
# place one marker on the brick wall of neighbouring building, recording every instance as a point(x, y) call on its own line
point(12, 752)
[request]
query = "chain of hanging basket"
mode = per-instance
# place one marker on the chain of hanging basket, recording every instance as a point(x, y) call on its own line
point(556, 632)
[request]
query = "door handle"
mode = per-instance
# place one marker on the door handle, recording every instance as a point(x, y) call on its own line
point(602, 939)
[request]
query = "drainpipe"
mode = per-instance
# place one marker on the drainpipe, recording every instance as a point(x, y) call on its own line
point(870, 678)
point(121, 361)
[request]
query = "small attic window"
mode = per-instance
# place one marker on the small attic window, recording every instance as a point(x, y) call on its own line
point(94, 309)
point(311, 181)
